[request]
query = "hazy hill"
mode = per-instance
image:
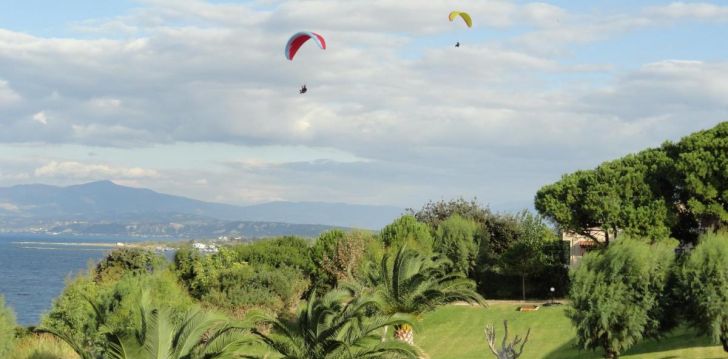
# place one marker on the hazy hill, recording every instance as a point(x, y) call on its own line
point(107, 201)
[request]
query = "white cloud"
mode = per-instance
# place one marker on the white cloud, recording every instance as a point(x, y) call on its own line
point(87, 171)
point(41, 118)
point(495, 118)
point(7, 95)
point(692, 10)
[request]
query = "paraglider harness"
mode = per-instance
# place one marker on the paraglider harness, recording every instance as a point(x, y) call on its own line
point(303, 89)
point(457, 44)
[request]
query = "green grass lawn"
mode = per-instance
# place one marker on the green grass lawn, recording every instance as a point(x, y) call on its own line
point(457, 332)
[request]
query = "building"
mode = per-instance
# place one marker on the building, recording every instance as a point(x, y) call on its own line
point(580, 244)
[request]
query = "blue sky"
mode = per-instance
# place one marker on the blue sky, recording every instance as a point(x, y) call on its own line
point(194, 97)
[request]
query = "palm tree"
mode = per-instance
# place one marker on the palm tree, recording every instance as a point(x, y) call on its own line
point(160, 334)
point(199, 335)
point(414, 284)
point(335, 326)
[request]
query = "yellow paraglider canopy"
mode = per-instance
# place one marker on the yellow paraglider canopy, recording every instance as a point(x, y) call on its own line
point(464, 15)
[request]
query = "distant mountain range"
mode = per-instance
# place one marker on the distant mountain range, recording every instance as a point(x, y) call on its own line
point(106, 205)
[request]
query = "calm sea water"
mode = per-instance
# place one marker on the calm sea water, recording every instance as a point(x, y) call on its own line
point(33, 269)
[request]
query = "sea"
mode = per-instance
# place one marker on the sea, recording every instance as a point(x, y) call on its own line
point(34, 269)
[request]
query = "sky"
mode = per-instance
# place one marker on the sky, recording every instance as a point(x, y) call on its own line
point(196, 98)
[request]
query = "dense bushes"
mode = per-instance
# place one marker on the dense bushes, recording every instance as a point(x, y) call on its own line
point(270, 275)
point(114, 297)
point(127, 260)
point(704, 283)
point(618, 295)
point(506, 255)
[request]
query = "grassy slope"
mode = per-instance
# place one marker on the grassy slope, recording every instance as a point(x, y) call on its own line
point(457, 332)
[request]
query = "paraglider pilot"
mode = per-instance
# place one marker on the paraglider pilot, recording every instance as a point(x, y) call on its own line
point(457, 44)
point(303, 89)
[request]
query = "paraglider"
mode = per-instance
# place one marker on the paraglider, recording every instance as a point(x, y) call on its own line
point(465, 16)
point(295, 43)
point(300, 38)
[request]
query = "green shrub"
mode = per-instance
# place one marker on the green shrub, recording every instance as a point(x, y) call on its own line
point(128, 260)
point(7, 328)
point(72, 314)
point(247, 276)
point(278, 252)
point(617, 294)
point(456, 239)
point(704, 282)
point(406, 230)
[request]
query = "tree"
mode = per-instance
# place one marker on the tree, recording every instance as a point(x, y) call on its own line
point(340, 255)
point(7, 328)
point(346, 256)
point(679, 189)
point(127, 260)
point(526, 256)
point(455, 239)
point(507, 350)
point(412, 283)
point(700, 176)
point(334, 326)
point(406, 230)
point(704, 281)
point(434, 213)
point(616, 294)
point(617, 197)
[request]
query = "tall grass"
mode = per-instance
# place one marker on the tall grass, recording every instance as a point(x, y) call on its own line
point(41, 346)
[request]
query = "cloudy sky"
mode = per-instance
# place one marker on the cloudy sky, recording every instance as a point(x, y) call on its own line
point(195, 98)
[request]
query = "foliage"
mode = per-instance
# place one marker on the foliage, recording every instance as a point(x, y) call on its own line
point(456, 239)
point(198, 335)
point(617, 196)
point(185, 259)
point(162, 333)
point(406, 230)
point(412, 283)
point(127, 260)
point(704, 281)
point(346, 257)
point(527, 256)
point(73, 314)
point(616, 294)
point(7, 328)
point(433, 213)
point(279, 252)
point(229, 282)
point(701, 175)
point(335, 326)
point(326, 246)
point(679, 189)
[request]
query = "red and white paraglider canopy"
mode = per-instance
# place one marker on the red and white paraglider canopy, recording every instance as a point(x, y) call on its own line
point(299, 38)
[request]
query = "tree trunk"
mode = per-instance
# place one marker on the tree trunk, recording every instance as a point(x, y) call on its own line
point(724, 341)
point(384, 335)
point(523, 287)
point(610, 354)
point(404, 332)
